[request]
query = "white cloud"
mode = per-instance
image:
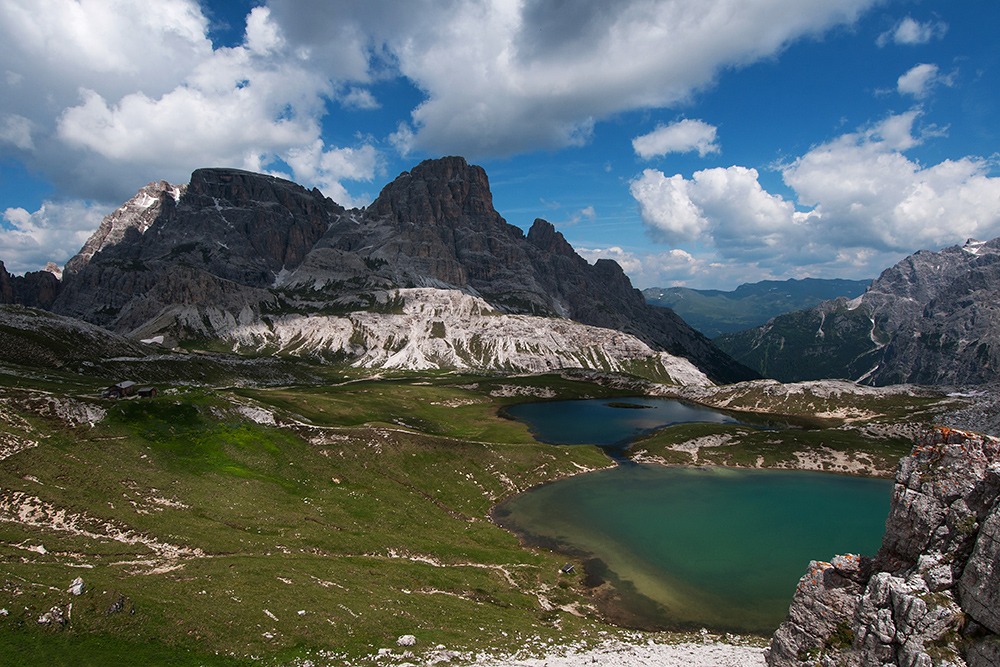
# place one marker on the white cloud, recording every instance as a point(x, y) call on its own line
point(262, 35)
point(919, 80)
point(678, 267)
point(16, 130)
point(360, 98)
point(911, 31)
point(587, 212)
point(130, 91)
point(55, 232)
point(727, 208)
point(504, 77)
point(680, 137)
point(868, 202)
point(328, 167)
point(872, 195)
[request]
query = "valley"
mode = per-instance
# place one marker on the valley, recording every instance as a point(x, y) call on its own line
point(309, 470)
point(322, 521)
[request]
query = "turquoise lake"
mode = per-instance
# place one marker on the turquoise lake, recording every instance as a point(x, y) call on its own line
point(714, 547)
point(690, 547)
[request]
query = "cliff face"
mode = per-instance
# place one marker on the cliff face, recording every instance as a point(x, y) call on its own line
point(233, 246)
point(930, 319)
point(931, 596)
point(36, 289)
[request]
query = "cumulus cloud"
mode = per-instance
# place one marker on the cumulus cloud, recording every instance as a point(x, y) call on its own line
point(360, 98)
point(727, 206)
point(680, 137)
point(501, 78)
point(858, 199)
point(53, 233)
point(911, 31)
point(920, 79)
point(16, 130)
point(133, 89)
point(870, 194)
point(329, 167)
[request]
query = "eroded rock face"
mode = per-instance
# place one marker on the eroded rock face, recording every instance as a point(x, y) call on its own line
point(237, 247)
point(932, 594)
point(933, 318)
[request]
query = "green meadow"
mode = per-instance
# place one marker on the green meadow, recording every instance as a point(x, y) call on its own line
point(308, 523)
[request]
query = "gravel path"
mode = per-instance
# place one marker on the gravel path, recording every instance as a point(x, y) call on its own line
point(618, 653)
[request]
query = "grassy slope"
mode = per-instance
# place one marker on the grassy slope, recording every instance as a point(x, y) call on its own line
point(342, 545)
point(360, 515)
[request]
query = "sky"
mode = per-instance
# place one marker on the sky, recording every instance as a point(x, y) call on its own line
point(701, 143)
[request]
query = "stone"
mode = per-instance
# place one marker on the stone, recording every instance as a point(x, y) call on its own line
point(234, 250)
point(77, 587)
point(929, 319)
point(406, 640)
point(908, 608)
point(979, 587)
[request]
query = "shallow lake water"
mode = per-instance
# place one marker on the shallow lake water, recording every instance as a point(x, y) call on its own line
point(704, 547)
point(605, 422)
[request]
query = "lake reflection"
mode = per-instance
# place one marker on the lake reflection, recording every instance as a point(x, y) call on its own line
point(599, 422)
point(715, 547)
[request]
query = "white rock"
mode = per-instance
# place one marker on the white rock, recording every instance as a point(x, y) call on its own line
point(406, 640)
point(77, 587)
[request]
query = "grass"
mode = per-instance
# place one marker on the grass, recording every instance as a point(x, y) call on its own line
point(361, 515)
point(375, 533)
point(742, 446)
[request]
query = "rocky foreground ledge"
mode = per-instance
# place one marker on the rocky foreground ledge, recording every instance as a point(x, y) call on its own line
point(932, 594)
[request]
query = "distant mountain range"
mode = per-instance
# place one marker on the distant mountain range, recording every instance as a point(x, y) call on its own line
point(428, 276)
point(933, 318)
point(715, 312)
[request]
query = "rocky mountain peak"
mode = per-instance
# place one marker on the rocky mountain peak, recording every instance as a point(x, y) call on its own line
point(233, 245)
point(543, 235)
point(132, 218)
point(446, 192)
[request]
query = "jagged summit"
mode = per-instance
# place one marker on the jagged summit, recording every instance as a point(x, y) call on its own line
point(929, 319)
point(234, 247)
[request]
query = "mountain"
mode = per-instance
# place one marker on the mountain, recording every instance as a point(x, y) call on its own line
point(36, 289)
point(715, 312)
point(243, 259)
point(932, 318)
point(931, 596)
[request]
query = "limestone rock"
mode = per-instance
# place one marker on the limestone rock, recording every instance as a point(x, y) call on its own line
point(934, 579)
point(979, 587)
point(930, 319)
point(232, 248)
point(77, 587)
point(35, 289)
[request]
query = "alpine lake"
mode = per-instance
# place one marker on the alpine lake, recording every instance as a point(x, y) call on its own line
point(687, 547)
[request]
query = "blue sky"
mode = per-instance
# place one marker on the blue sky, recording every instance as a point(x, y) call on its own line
point(703, 143)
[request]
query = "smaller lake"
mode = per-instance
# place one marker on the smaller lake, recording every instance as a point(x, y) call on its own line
point(691, 547)
point(607, 421)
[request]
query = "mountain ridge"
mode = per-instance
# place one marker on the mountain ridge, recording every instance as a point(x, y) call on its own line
point(232, 246)
point(716, 312)
point(929, 319)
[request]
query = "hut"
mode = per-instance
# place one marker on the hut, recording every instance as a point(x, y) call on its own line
point(120, 390)
point(147, 392)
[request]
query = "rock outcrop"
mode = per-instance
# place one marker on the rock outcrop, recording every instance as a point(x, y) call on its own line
point(932, 318)
point(36, 289)
point(931, 596)
point(236, 248)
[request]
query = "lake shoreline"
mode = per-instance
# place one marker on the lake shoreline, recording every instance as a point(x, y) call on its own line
point(615, 601)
